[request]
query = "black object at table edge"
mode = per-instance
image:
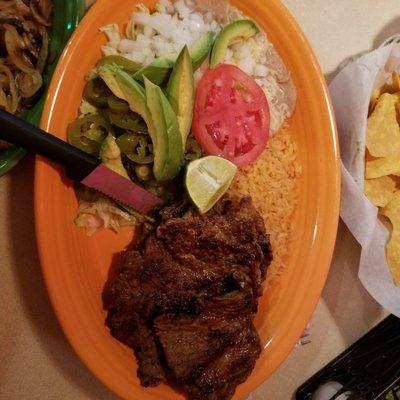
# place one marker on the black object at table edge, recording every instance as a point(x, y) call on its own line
point(368, 369)
point(17, 131)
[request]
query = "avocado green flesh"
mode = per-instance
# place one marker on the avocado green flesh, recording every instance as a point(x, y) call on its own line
point(110, 155)
point(180, 93)
point(161, 154)
point(234, 32)
point(107, 73)
point(169, 140)
point(160, 70)
point(201, 49)
point(175, 149)
point(157, 72)
point(132, 91)
point(122, 62)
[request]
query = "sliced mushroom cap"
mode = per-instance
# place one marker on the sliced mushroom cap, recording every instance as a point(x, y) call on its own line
point(41, 10)
point(3, 98)
point(44, 50)
point(12, 12)
point(29, 84)
point(22, 7)
point(9, 89)
point(25, 40)
point(8, 18)
point(35, 39)
point(15, 48)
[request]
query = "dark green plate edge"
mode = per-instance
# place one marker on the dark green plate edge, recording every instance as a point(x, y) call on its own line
point(66, 17)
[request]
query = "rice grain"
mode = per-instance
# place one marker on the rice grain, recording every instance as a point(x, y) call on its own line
point(272, 183)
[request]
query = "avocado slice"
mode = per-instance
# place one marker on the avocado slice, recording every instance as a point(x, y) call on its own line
point(107, 73)
point(180, 93)
point(125, 63)
point(159, 70)
point(110, 155)
point(201, 49)
point(133, 93)
point(234, 32)
point(176, 151)
point(167, 131)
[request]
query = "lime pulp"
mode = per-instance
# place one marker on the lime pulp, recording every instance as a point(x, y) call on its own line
point(207, 180)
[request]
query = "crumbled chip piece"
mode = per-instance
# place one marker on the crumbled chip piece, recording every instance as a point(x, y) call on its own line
point(380, 190)
point(392, 211)
point(383, 134)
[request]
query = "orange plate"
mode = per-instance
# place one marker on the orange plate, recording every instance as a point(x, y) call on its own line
point(75, 266)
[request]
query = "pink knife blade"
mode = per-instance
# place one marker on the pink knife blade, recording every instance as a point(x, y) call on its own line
point(121, 189)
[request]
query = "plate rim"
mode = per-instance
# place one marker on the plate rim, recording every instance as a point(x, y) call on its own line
point(331, 231)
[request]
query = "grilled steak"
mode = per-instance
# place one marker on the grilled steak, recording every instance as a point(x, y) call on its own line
point(183, 299)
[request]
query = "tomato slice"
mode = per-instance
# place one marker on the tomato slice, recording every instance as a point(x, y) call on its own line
point(231, 116)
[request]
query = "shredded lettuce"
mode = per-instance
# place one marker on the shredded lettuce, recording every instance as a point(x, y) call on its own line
point(113, 35)
point(131, 30)
point(143, 9)
point(103, 213)
point(109, 51)
point(86, 108)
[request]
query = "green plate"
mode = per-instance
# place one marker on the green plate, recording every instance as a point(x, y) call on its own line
point(66, 17)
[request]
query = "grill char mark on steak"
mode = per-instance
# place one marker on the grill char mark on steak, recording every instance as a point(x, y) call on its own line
point(183, 299)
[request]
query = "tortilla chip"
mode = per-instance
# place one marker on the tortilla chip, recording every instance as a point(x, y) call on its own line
point(398, 110)
point(392, 211)
point(391, 87)
point(385, 221)
point(395, 81)
point(396, 179)
point(380, 190)
point(383, 134)
point(374, 100)
point(379, 167)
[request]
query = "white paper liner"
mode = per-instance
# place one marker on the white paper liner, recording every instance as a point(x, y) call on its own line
point(351, 91)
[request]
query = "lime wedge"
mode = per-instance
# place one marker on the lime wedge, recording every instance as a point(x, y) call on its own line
point(207, 180)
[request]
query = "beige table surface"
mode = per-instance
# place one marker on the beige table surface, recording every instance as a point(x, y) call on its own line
point(36, 362)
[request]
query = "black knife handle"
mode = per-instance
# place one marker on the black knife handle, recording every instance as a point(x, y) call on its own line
point(17, 131)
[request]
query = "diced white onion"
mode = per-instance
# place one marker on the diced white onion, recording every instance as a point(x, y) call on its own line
point(177, 23)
